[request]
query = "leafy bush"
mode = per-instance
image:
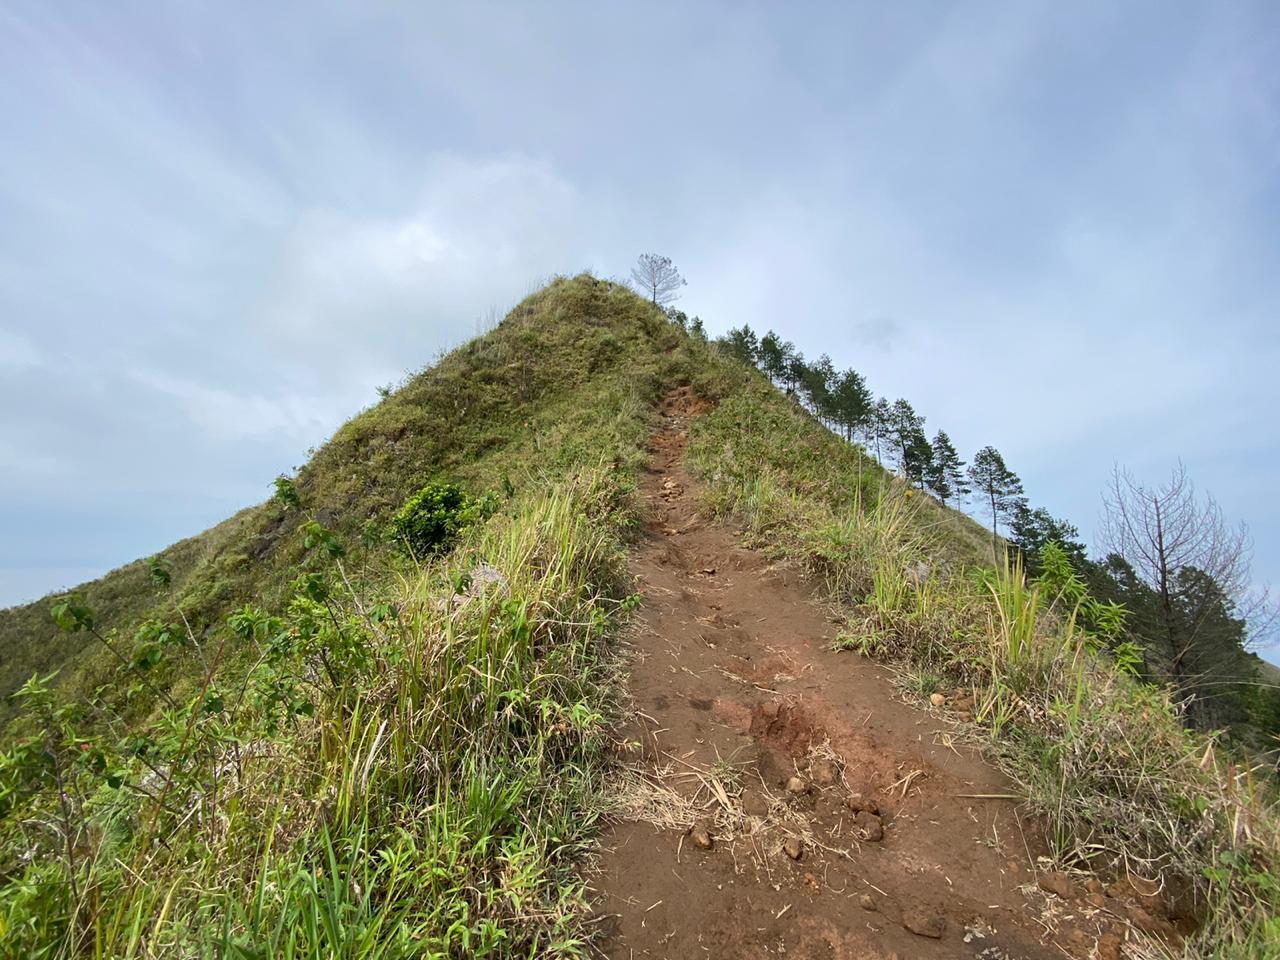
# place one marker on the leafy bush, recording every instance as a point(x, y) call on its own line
point(431, 518)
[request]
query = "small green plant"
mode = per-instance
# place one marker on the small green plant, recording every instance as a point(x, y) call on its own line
point(159, 571)
point(286, 492)
point(431, 518)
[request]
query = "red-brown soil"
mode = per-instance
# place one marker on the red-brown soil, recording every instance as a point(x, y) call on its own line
point(735, 689)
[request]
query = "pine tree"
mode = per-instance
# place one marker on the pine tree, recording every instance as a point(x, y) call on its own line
point(877, 424)
point(906, 427)
point(1032, 530)
point(774, 356)
point(794, 370)
point(917, 461)
point(946, 475)
point(741, 344)
point(999, 486)
point(816, 386)
point(851, 401)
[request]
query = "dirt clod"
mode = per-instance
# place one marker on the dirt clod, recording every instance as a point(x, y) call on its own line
point(1059, 884)
point(868, 827)
point(937, 699)
point(755, 804)
point(793, 848)
point(824, 772)
point(924, 924)
point(700, 836)
point(797, 786)
point(1145, 922)
point(867, 902)
point(858, 803)
point(1110, 947)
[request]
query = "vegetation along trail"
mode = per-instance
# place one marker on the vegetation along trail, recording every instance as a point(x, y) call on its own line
point(778, 798)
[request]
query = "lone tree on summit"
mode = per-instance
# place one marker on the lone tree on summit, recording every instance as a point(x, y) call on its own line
point(657, 278)
point(999, 486)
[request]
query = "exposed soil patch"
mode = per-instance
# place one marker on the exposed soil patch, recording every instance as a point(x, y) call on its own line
point(778, 798)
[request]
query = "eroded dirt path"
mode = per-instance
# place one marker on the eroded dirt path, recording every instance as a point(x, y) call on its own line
point(736, 691)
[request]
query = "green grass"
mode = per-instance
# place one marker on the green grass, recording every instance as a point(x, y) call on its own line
point(367, 755)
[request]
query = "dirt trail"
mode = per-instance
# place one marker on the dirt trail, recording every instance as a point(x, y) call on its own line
point(735, 691)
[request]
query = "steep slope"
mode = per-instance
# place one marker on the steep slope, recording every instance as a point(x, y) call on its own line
point(354, 752)
point(565, 379)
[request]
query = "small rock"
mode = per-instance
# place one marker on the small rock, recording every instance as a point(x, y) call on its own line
point(937, 699)
point(924, 924)
point(824, 772)
point(857, 803)
point(868, 826)
point(1110, 947)
point(755, 804)
point(700, 836)
point(1059, 884)
point(796, 786)
point(793, 848)
point(867, 902)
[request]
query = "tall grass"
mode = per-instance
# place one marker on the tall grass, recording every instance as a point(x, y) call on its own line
point(432, 800)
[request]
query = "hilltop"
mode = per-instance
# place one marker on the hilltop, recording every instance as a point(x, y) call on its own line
point(565, 381)
point(387, 712)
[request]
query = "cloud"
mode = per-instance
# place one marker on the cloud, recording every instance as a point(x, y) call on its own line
point(17, 351)
point(368, 291)
point(879, 332)
point(225, 415)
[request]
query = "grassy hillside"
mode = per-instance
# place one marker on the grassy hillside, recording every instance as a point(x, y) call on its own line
point(310, 744)
point(352, 752)
point(564, 381)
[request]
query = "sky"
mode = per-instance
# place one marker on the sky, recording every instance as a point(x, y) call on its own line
point(1052, 227)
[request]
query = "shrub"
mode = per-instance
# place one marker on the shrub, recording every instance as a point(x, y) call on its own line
point(432, 517)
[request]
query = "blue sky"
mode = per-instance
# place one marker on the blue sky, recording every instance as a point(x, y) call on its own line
point(1053, 227)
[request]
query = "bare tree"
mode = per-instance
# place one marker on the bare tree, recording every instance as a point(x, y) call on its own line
point(1197, 569)
point(657, 278)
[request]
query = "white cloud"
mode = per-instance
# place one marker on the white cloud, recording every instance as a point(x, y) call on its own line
point(224, 414)
point(383, 288)
point(17, 351)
